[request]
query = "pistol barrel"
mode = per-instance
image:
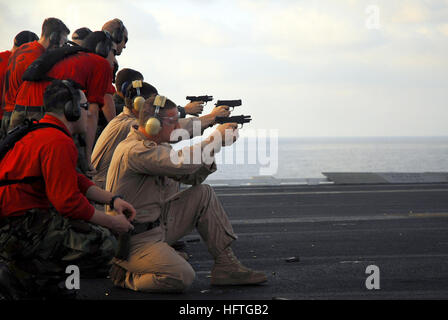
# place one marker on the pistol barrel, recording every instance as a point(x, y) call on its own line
point(237, 119)
point(230, 103)
point(200, 98)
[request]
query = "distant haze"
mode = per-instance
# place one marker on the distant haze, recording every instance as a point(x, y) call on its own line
point(306, 68)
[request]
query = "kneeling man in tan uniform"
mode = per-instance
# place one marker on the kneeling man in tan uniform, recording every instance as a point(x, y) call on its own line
point(147, 172)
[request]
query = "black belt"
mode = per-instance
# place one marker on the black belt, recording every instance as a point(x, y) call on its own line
point(27, 180)
point(29, 109)
point(143, 227)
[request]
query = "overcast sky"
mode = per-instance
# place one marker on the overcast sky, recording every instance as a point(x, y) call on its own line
point(306, 68)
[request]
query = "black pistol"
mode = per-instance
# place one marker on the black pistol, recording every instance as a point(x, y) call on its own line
point(231, 103)
point(124, 243)
point(200, 98)
point(242, 119)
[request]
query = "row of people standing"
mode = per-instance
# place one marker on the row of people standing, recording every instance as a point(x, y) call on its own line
point(93, 70)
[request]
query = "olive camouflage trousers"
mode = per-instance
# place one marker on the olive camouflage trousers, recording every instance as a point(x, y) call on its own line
point(39, 245)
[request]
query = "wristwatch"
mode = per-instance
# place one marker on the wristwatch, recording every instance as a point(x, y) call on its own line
point(181, 111)
point(111, 203)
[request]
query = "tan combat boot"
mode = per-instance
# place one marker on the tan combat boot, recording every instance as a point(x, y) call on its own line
point(229, 271)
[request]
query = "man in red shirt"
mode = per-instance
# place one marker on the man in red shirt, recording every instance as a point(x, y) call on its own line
point(92, 71)
point(48, 224)
point(54, 34)
point(21, 38)
point(119, 35)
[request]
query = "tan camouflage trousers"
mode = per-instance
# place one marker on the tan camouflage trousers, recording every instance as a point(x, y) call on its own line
point(156, 266)
point(40, 245)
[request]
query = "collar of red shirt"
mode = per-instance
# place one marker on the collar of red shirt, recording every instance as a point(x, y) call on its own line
point(53, 120)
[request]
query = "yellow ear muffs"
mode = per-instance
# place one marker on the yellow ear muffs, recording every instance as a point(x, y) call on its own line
point(139, 101)
point(154, 125)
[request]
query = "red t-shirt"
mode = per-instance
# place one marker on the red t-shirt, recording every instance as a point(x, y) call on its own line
point(90, 70)
point(111, 90)
point(50, 154)
point(4, 56)
point(19, 61)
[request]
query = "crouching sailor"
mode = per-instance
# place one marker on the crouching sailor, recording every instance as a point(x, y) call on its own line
point(142, 170)
point(46, 220)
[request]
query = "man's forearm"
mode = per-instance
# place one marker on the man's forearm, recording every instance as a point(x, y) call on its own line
point(99, 195)
point(207, 121)
point(209, 147)
point(102, 219)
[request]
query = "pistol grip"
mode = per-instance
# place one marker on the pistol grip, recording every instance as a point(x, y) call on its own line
point(124, 246)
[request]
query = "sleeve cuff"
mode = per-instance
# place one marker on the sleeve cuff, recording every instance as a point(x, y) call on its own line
point(182, 113)
point(84, 184)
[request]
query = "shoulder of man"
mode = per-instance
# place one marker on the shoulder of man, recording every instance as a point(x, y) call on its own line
point(46, 139)
point(30, 48)
point(88, 59)
point(54, 136)
point(135, 143)
point(4, 57)
point(148, 144)
point(5, 54)
point(96, 58)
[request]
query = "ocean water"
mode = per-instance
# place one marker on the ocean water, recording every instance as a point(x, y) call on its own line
point(309, 157)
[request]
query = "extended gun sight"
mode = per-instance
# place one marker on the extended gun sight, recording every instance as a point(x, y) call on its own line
point(231, 103)
point(200, 98)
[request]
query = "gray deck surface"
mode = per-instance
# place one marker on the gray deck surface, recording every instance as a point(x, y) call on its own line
point(336, 231)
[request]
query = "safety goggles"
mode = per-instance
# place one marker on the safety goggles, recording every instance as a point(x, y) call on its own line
point(170, 120)
point(84, 105)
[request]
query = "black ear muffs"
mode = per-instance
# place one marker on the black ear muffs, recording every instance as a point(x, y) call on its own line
point(118, 34)
point(103, 47)
point(72, 108)
point(55, 39)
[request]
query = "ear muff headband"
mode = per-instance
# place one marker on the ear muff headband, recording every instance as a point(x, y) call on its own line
point(55, 38)
point(138, 101)
point(72, 108)
point(124, 86)
point(118, 34)
point(103, 47)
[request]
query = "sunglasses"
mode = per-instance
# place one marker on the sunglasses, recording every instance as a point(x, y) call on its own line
point(84, 105)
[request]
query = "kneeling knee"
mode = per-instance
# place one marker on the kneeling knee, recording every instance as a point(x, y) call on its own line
point(178, 282)
point(188, 277)
point(184, 280)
